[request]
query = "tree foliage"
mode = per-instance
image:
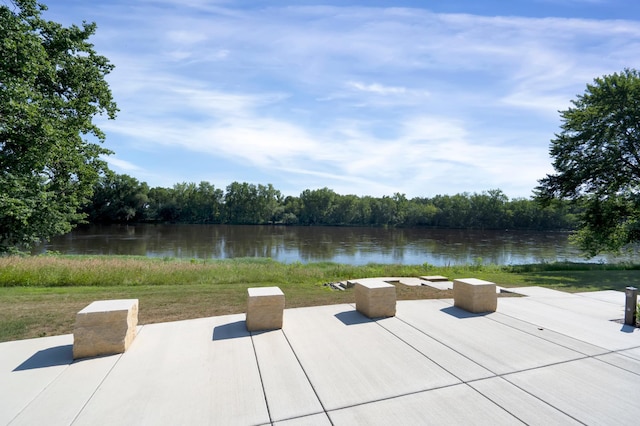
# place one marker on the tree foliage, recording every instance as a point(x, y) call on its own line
point(118, 198)
point(122, 199)
point(596, 158)
point(52, 85)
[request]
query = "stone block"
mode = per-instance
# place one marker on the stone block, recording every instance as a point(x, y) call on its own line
point(434, 278)
point(474, 295)
point(375, 299)
point(265, 308)
point(105, 327)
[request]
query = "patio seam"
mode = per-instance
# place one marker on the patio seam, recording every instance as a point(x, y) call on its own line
point(440, 342)
point(75, 418)
point(617, 352)
point(498, 375)
point(547, 340)
point(264, 391)
point(26, 406)
point(315, 392)
point(528, 393)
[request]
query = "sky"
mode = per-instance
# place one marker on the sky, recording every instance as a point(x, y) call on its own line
point(376, 97)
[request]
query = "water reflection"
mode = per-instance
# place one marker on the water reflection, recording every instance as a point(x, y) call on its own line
point(355, 246)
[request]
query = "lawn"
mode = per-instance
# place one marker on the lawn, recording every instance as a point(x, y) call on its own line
point(39, 296)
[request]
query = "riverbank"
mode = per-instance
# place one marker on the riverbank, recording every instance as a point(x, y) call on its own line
point(40, 295)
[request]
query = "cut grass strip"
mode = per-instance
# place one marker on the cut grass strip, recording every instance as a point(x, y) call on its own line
point(40, 296)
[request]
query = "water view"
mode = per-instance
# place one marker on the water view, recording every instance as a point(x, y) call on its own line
point(356, 246)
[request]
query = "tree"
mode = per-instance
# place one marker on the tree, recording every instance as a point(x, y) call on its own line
point(52, 84)
point(118, 198)
point(317, 206)
point(241, 204)
point(163, 206)
point(596, 157)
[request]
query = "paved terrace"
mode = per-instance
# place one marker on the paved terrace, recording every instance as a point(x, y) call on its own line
point(549, 358)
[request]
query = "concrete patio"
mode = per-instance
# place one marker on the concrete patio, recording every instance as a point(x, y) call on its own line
point(547, 358)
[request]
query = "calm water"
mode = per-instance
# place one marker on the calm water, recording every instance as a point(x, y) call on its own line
point(356, 246)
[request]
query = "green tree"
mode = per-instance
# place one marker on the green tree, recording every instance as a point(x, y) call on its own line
point(270, 204)
point(317, 206)
point(163, 206)
point(596, 158)
point(241, 203)
point(420, 212)
point(488, 210)
point(118, 198)
point(52, 85)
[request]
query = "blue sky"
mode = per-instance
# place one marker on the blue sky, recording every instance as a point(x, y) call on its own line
point(363, 97)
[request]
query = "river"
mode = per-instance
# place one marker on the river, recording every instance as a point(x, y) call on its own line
point(355, 246)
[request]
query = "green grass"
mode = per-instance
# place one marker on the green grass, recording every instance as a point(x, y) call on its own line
point(39, 296)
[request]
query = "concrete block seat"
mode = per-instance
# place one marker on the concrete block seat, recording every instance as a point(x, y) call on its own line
point(474, 295)
point(105, 327)
point(265, 308)
point(375, 299)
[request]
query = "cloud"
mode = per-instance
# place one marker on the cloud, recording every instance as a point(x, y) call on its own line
point(367, 100)
point(121, 165)
point(377, 88)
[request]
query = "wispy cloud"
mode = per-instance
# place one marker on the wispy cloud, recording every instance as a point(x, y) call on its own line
point(361, 99)
point(377, 88)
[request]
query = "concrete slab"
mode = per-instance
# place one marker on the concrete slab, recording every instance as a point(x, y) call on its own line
point(520, 404)
point(632, 353)
point(550, 335)
point(410, 281)
point(535, 291)
point(498, 348)
point(375, 280)
point(288, 391)
point(434, 278)
point(530, 362)
point(452, 405)
point(454, 362)
point(27, 367)
point(587, 306)
point(315, 420)
point(65, 397)
point(352, 360)
point(440, 285)
point(607, 305)
point(589, 390)
point(589, 329)
point(619, 359)
point(611, 296)
point(185, 372)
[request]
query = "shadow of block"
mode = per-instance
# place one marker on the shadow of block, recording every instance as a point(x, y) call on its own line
point(233, 330)
point(50, 357)
point(461, 313)
point(352, 318)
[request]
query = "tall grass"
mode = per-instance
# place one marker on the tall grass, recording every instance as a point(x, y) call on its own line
point(69, 271)
point(40, 295)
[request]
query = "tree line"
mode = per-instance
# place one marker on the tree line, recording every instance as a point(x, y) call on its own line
point(123, 199)
point(52, 85)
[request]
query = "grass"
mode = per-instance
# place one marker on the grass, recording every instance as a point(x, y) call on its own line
point(39, 296)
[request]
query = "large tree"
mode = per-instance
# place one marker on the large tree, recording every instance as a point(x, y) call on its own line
point(52, 85)
point(596, 158)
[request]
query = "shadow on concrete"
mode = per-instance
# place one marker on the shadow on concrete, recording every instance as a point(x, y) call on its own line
point(233, 330)
point(352, 318)
point(628, 328)
point(461, 313)
point(50, 357)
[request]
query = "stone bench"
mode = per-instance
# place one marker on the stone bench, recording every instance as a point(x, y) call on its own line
point(375, 299)
point(265, 308)
point(105, 327)
point(474, 295)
